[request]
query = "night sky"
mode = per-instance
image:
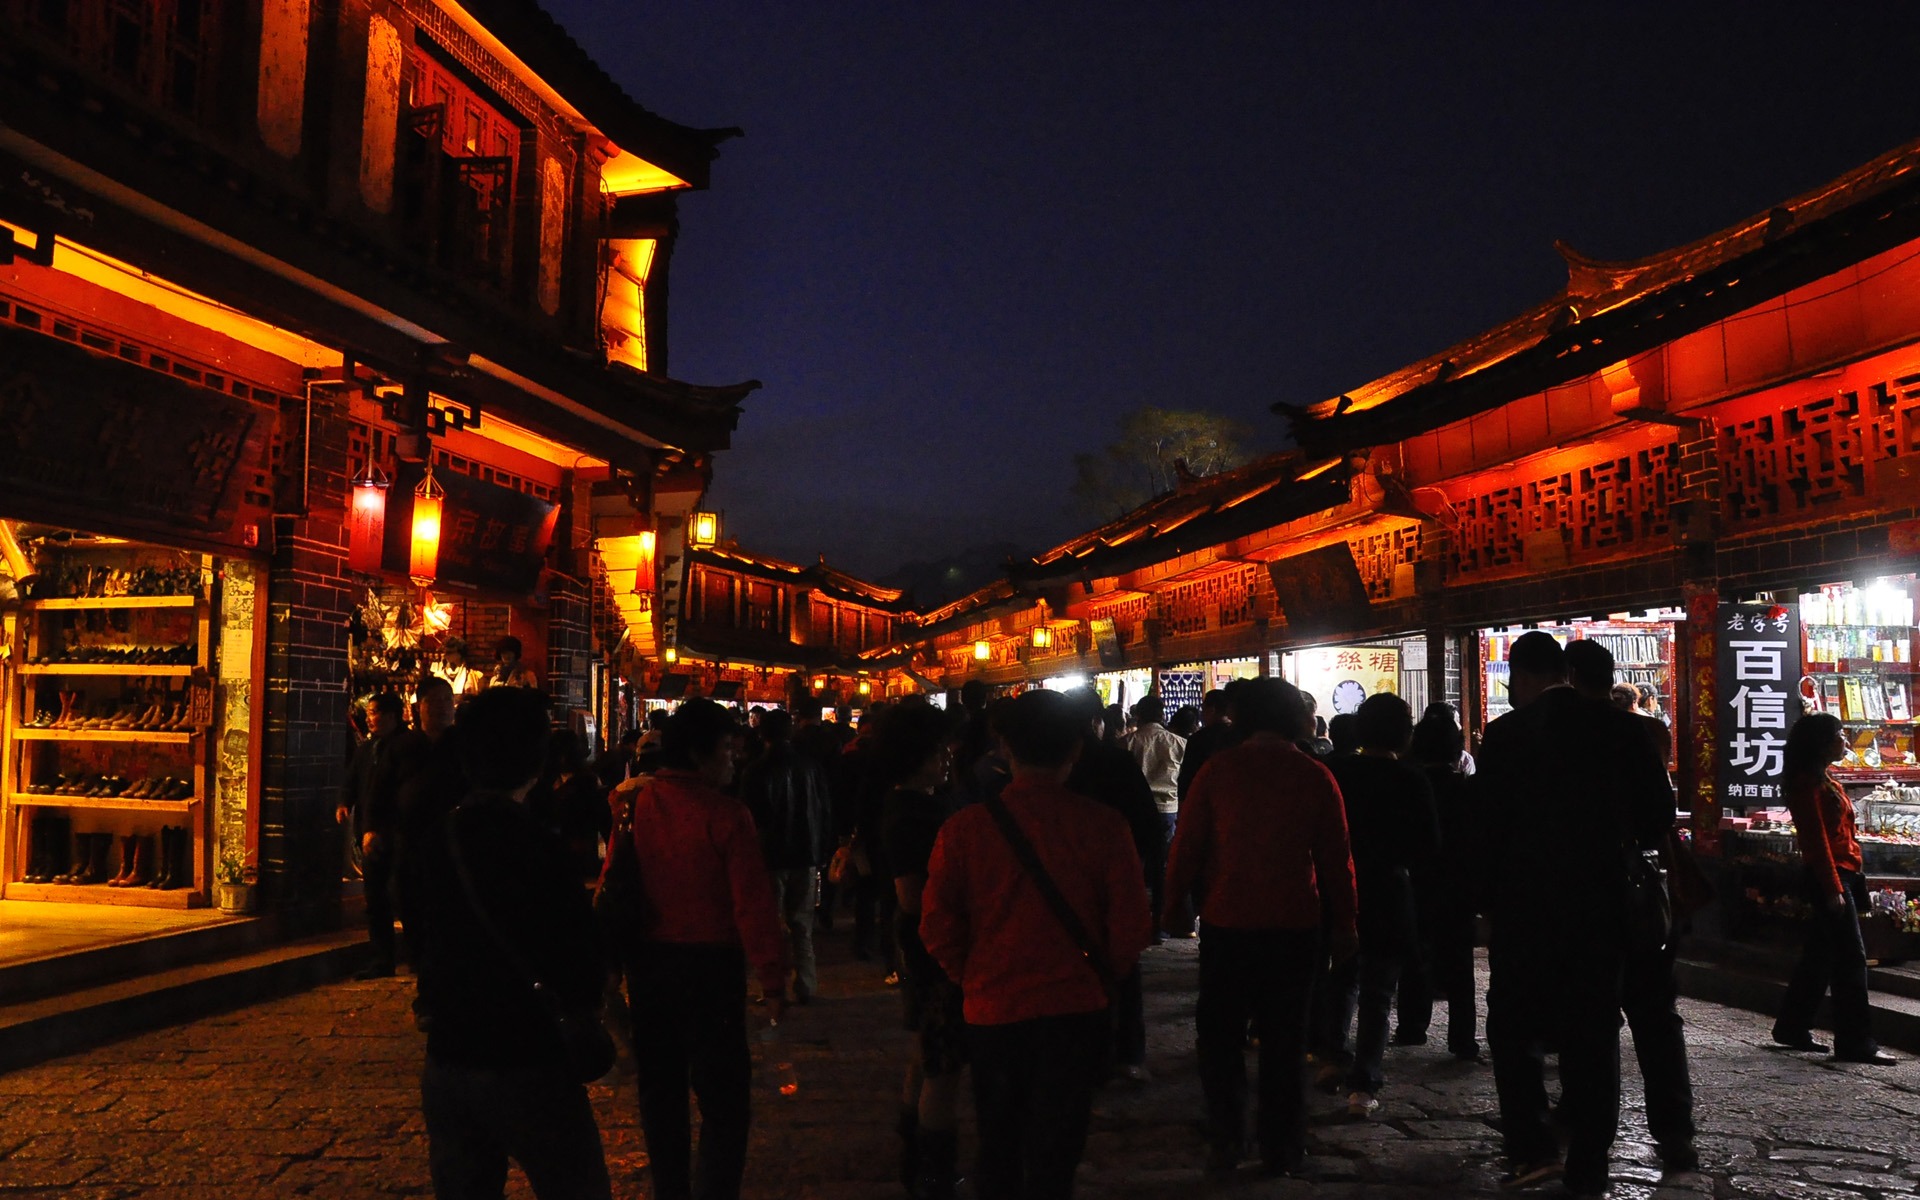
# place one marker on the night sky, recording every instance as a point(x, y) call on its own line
point(960, 239)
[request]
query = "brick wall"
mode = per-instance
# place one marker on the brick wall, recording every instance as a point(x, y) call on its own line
point(306, 741)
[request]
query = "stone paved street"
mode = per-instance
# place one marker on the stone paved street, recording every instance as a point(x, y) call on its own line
point(315, 1096)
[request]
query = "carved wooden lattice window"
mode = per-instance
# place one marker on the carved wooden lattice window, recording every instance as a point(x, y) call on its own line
point(1608, 505)
point(1126, 616)
point(1814, 454)
point(1379, 555)
point(163, 49)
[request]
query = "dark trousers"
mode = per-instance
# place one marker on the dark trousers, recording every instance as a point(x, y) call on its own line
point(690, 1031)
point(376, 870)
point(1537, 1000)
point(1130, 1022)
point(1450, 968)
point(479, 1119)
point(1033, 1087)
point(1260, 975)
point(1363, 988)
point(1413, 1003)
point(1649, 996)
point(1832, 956)
point(874, 901)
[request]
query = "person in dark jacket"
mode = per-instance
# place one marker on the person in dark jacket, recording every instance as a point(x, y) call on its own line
point(1215, 734)
point(1108, 775)
point(501, 907)
point(1394, 832)
point(370, 803)
point(569, 801)
point(1445, 895)
point(787, 796)
point(1570, 789)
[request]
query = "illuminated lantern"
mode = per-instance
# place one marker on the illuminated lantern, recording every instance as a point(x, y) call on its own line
point(705, 530)
point(429, 501)
point(671, 655)
point(866, 687)
point(819, 683)
point(982, 651)
point(1042, 638)
point(367, 519)
point(643, 576)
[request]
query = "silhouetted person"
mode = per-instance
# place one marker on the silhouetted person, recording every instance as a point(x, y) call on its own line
point(1264, 840)
point(1571, 790)
point(499, 907)
point(1343, 735)
point(1036, 1006)
point(1446, 897)
point(1833, 954)
point(787, 796)
point(1650, 996)
point(381, 765)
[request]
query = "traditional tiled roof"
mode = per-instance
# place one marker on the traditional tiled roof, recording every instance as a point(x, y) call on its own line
point(1611, 311)
point(830, 580)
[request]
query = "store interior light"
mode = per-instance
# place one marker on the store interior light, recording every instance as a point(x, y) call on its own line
point(982, 650)
point(429, 501)
point(367, 519)
point(705, 529)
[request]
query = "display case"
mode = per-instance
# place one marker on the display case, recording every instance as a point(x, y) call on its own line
point(1642, 655)
point(104, 770)
point(1858, 655)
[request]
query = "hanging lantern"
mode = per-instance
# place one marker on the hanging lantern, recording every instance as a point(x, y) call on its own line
point(1042, 638)
point(866, 687)
point(819, 683)
point(704, 530)
point(643, 574)
point(982, 650)
point(429, 500)
point(367, 519)
point(670, 655)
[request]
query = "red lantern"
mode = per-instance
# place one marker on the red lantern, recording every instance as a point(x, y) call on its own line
point(367, 519)
point(429, 500)
point(643, 573)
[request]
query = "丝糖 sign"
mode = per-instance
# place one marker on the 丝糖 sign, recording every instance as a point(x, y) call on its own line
point(1759, 671)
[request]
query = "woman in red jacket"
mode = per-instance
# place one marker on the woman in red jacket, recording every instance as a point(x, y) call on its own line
point(1834, 955)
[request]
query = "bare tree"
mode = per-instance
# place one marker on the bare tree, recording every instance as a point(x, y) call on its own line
point(1154, 445)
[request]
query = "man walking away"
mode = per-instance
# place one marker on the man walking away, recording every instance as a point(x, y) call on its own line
point(370, 805)
point(500, 906)
point(707, 915)
point(1033, 905)
point(1264, 836)
point(1650, 995)
point(788, 799)
point(1215, 734)
point(1448, 905)
point(1107, 775)
point(1571, 790)
point(1157, 750)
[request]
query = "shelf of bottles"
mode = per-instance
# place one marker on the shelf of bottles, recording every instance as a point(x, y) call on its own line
point(1858, 644)
point(1642, 655)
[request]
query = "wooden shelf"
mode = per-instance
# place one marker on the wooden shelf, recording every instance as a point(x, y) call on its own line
point(100, 893)
point(111, 803)
point(62, 668)
point(175, 737)
point(57, 603)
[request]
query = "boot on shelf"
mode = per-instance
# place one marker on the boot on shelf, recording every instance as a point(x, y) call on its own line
point(82, 852)
point(139, 862)
point(178, 860)
point(163, 869)
point(96, 871)
point(47, 850)
point(126, 862)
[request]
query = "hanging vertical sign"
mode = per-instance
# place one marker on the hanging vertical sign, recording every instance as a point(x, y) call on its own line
point(1758, 672)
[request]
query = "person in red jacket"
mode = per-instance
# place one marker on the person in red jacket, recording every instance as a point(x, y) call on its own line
point(1263, 836)
point(1833, 954)
point(1036, 1006)
point(708, 914)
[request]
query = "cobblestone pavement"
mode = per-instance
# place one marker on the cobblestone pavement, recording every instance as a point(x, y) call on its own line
point(315, 1096)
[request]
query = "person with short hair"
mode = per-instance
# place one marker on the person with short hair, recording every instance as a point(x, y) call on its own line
point(1569, 790)
point(453, 667)
point(1157, 750)
point(1447, 904)
point(787, 795)
point(370, 806)
point(1036, 1005)
point(508, 670)
point(1264, 840)
point(491, 886)
point(707, 917)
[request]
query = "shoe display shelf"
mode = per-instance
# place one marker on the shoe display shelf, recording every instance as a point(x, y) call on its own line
point(43, 742)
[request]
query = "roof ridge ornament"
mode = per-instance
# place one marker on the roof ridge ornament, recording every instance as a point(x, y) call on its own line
point(1590, 277)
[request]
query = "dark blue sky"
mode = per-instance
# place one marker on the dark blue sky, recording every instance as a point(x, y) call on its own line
point(961, 238)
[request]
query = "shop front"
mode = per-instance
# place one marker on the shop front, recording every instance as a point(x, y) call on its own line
point(1644, 655)
point(1340, 677)
point(1188, 683)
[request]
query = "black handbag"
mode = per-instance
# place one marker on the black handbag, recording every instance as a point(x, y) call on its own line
point(1649, 906)
point(583, 1035)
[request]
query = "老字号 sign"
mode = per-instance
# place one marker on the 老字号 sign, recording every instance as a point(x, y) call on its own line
point(1758, 676)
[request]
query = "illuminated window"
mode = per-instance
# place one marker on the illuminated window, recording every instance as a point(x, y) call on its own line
point(623, 315)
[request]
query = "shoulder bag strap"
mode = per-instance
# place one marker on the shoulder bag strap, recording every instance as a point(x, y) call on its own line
point(1029, 860)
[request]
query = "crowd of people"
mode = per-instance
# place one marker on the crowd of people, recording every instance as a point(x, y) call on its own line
point(1007, 864)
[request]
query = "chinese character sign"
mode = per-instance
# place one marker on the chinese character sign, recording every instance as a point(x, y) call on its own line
point(1339, 679)
point(1759, 671)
